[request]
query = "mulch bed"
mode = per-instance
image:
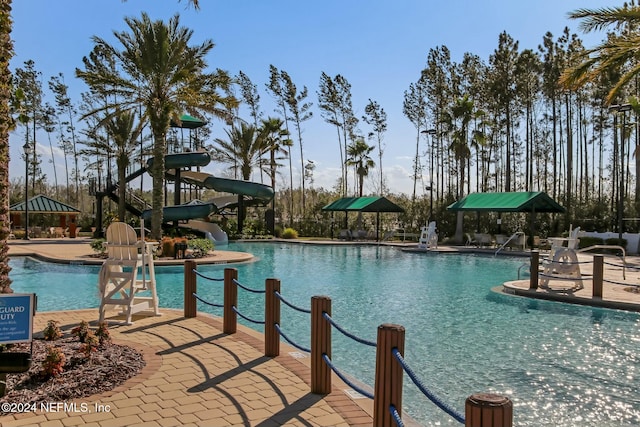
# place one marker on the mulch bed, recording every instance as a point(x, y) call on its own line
point(107, 368)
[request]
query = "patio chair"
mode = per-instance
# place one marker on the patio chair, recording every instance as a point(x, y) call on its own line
point(345, 235)
point(471, 241)
point(58, 232)
point(119, 283)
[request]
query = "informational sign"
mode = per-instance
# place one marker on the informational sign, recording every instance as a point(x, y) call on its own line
point(16, 317)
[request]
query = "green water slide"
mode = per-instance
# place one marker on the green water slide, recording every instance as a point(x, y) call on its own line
point(255, 192)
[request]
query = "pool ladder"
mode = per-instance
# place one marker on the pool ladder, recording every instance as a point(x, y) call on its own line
point(526, 264)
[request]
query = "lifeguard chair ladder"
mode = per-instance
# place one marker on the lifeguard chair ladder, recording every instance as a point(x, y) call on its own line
point(127, 272)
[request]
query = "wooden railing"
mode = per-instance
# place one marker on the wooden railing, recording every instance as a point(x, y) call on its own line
point(481, 410)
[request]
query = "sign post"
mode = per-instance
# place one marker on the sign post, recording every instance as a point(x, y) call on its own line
point(16, 326)
point(16, 318)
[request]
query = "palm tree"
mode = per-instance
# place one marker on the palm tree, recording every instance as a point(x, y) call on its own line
point(125, 134)
point(160, 71)
point(243, 149)
point(276, 137)
point(6, 124)
point(613, 54)
point(358, 156)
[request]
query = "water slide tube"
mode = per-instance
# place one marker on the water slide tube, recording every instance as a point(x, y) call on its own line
point(191, 211)
point(211, 231)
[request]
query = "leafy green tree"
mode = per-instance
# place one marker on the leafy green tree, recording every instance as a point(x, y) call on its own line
point(6, 125)
point(276, 137)
point(159, 70)
point(503, 84)
point(376, 117)
point(414, 108)
point(28, 81)
point(300, 112)
point(242, 149)
point(276, 87)
point(618, 53)
point(334, 100)
point(124, 132)
point(329, 104)
point(250, 96)
point(64, 107)
point(358, 157)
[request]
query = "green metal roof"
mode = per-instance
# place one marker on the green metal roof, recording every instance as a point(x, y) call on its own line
point(44, 204)
point(188, 122)
point(363, 204)
point(508, 202)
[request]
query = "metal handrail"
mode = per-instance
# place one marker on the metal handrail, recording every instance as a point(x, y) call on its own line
point(508, 240)
point(624, 254)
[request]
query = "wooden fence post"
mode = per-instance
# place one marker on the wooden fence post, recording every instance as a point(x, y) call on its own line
point(534, 269)
point(272, 317)
point(598, 275)
point(230, 318)
point(389, 372)
point(190, 281)
point(488, 410)
point(320, 344)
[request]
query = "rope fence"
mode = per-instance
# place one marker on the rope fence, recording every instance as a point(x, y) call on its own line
point(430, 395)
point(345, 379)
point(207, 302)
point(295, 307)
point(215, 279)
point(390, 365)
point(347, 334)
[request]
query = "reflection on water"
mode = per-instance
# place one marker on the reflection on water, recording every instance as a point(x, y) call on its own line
point(561, 365)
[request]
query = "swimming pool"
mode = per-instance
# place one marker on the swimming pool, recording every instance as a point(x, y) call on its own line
point(561, 365)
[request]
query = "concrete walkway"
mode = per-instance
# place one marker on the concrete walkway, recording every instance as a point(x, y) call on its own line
point(79, 251)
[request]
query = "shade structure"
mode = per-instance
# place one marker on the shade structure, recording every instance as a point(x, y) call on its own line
point(44, 204)
point(363, 204)
point(517, 201)
point(188, 122)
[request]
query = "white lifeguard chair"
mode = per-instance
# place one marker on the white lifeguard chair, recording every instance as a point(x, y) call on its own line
point(563, 264)
point(428, 237)
point(127, 273)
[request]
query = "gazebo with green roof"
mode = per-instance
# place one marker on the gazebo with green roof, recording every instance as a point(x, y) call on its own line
point(364, 204)
point(517, 201)
point(41, 204)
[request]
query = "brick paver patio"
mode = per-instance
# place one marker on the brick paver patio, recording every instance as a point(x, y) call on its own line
point(197, 375)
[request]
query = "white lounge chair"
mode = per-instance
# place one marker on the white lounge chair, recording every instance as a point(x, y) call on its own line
point(119, 281)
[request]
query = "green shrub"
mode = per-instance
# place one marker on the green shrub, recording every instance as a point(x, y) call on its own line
point(52, 331)
point(89, 345)
point(289, 233)
point(53, 364)
point(98, 246)
point(587, 241)
point(81, 331)
point(278, 231)
point(103, 334)
point(200, 247)
point(615, 242)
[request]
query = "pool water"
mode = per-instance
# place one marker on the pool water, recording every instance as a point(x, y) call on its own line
point(561, 365)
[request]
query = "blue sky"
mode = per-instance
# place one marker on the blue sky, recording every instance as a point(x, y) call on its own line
point(379, 46)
